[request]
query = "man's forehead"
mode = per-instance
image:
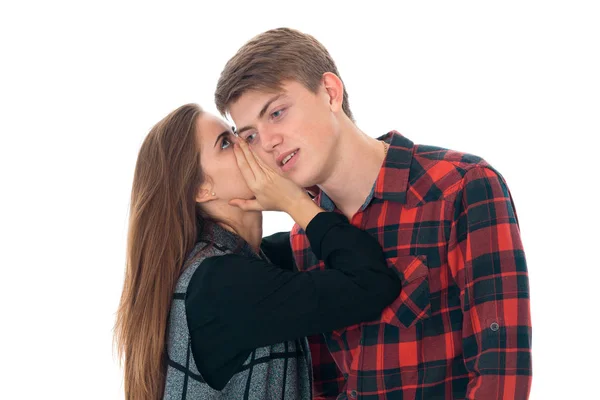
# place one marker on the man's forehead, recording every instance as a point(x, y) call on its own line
point(260, 95)
point(251, 103)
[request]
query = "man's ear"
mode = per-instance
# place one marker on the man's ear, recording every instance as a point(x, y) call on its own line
point(335, 90)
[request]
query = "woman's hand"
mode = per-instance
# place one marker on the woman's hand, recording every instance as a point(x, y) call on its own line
point(273, 192)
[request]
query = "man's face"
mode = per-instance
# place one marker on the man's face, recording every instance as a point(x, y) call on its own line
point(293, 130)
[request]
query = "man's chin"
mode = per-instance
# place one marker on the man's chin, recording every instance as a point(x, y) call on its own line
point(306, 182)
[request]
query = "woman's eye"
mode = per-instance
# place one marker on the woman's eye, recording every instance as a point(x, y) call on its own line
point(226, 143)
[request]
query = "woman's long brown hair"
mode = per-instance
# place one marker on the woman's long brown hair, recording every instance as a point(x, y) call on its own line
point(162, 232)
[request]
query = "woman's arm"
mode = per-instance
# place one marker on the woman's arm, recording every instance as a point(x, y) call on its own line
point(235, 303)
point(278, 249)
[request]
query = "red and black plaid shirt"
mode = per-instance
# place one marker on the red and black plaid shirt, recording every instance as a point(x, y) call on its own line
point(461, 327)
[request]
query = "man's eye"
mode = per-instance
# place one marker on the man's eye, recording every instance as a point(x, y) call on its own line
point(277, 114)
point(251, 137)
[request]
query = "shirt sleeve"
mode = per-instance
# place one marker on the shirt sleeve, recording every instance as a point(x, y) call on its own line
point(278, 249)
point(235, 304)
point(487, 260)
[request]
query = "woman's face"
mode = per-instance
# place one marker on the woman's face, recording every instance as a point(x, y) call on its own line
point(218, 162)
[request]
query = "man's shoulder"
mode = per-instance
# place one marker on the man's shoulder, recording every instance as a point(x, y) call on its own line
point(444, 155)
point(437, 173)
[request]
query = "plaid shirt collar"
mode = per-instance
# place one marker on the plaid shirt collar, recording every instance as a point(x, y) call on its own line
point(392, 180)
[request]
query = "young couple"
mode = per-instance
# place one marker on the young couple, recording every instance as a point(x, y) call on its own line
point(406, 272)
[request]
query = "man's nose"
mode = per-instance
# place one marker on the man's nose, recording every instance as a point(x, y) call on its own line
point(270, 140)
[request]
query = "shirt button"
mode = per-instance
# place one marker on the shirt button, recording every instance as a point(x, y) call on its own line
point(361, 342)
point(345, 375)
point(494, 326)
point(353, 394)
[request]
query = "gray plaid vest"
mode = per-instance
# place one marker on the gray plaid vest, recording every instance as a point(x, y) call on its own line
point(281, 371)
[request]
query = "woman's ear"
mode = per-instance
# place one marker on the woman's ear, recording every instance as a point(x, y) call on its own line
point(205, 194)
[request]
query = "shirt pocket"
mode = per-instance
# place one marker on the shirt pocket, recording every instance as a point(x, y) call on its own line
point(411, 306)
point(413, 303)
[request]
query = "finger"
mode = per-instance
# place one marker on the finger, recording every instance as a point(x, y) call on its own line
point(251, 159)
point(246, 205)
point(243, 165)
point(267, 172)
point(261, 163)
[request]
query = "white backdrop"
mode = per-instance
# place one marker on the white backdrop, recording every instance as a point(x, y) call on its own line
point(81, 83)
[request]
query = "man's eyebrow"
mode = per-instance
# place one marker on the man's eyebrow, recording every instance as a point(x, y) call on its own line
point(220, 136)
point(266, 106)
point(262, 112)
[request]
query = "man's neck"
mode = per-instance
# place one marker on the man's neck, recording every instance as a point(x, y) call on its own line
point(358, 161)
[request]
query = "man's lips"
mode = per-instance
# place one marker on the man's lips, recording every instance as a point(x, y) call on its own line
point(291, 162)
point(283, 156)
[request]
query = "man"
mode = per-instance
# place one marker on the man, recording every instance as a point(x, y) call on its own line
point(461, 326)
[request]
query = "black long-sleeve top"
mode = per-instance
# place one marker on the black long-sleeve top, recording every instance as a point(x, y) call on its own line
point(235, 303)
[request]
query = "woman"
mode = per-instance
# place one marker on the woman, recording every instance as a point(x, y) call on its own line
point(204, 312)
